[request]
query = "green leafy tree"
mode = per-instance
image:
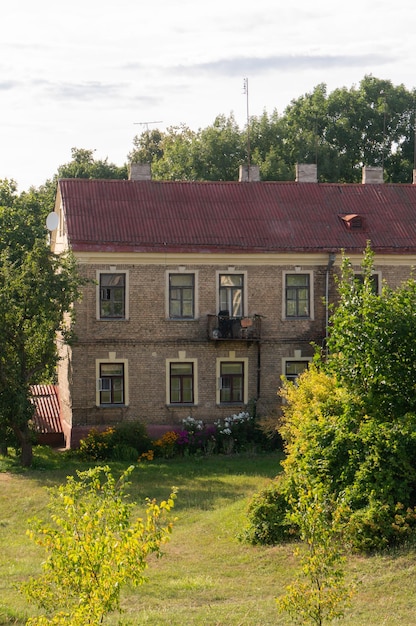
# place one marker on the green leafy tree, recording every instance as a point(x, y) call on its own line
point(320, 594)
point(37, 290)
point(369, 124)
point(83, 165)
point(219, 150)
point(147, 147)
point(93, 548)
point(176, 163)
point(212, 153)
point(349, 423)
point(372, 342)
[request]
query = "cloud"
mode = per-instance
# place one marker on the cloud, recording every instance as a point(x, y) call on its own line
point(240, 65)
point(90, 90)
point(8, 85)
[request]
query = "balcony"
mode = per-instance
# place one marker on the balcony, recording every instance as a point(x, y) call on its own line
point(222, 327)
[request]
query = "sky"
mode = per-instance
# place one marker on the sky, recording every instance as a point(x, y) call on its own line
point(93, 75)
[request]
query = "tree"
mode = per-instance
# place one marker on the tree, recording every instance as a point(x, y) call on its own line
point(350, 422)
point(372, 341)
point(37, 290)
point(83, 165)
point(93, 548)
point(320, 594)
point(147, 147)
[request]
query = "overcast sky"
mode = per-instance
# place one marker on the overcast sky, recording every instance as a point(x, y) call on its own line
point(91, 74)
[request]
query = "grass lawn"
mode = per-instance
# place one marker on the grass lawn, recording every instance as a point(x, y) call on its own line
point(206, 577)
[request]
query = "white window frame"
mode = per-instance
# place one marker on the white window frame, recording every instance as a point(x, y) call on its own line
point(111, 270)
point(311, 315)
point(233, 272)
point(297, 357)
point(195, 273)
point(111, 359)
point(375, 273)
point(232, 358)
point(195, 381)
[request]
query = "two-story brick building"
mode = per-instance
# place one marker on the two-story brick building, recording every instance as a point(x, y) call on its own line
point(202, 294)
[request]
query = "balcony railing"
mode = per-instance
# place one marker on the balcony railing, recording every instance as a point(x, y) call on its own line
point(222, 327)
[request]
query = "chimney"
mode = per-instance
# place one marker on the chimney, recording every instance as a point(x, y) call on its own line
point(372, 175)
point(140, 171)
point(306, 173)
point(414, 177)
point(246, 176)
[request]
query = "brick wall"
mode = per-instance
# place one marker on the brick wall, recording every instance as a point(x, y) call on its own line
point(148, 338)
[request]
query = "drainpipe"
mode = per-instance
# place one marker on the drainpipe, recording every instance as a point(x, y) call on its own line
point(331, 261)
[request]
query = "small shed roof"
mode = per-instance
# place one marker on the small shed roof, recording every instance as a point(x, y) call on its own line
point(46, 418)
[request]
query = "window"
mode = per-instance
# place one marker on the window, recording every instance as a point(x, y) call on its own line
point(181, 377)
point(181, 296)
point(112, 296)
point(375, 282)
point(231, 382)
point(294, 368)
point(297, 295)
point(231, 294)
point(111, 383)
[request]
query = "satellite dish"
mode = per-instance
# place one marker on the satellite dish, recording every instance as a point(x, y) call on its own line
point(52, 221)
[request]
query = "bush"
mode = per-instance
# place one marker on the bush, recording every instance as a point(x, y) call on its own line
point(97, 446)
point(267, 516)
point(124, 452)
point(378, 525)
point(133, 434)
point(165, 446)
point(124, 442)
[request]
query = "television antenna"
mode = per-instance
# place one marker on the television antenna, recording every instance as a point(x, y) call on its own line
point(245, 91)
point(147, 124)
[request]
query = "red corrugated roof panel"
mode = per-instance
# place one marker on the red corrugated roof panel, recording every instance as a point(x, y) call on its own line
point(46, 418)
point(130, 216)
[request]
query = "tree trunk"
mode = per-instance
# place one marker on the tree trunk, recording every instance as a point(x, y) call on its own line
point(25, 441)
point(26, 457)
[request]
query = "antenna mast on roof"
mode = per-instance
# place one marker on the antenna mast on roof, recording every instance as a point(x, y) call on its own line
point(245, 91)
point(147, 124)
point(414, 147)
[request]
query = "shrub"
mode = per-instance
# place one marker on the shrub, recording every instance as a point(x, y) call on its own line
point(233, 433)
point(133, 434)
point(267, 516)
point(379, 525)
point(165, 446)
point(196, 437)
point(97, 446)
point(124, 452)
point(94, 546)
point(124, 442)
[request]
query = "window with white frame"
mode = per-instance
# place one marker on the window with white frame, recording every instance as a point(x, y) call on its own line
point(231, 294)
point(375, 280)
point(298, 296)
point(294, 368)
point(232, 379)
point(111, 383)
point(112, 288)
point(181, 295)
point(181, 381)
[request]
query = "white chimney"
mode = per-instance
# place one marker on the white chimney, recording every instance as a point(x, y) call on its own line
point(372, 175)
point(306, 173)
point(140, 171)
point(246, 176)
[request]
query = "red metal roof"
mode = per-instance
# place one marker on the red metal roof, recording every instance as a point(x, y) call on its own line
point(46, 418)
point(154, 216)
